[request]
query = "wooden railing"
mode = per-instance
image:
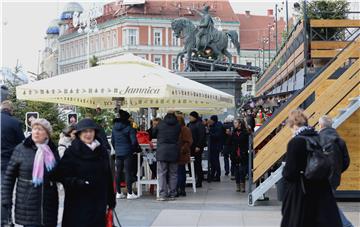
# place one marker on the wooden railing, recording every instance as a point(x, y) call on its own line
point(281, 61)
point(273, 150)
point(276, 148)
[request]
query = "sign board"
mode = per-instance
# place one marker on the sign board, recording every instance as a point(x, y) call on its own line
point(29, 117)
point(72, 118)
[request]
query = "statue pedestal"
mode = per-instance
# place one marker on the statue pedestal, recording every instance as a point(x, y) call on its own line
point(228, 82)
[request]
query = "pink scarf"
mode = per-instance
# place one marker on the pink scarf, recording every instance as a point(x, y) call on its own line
point(43, 157)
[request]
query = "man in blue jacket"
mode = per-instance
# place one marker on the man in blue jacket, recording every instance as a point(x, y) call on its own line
point(11, 134)
point(216, 143)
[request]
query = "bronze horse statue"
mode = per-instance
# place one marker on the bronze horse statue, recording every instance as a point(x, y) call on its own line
point(185, 29)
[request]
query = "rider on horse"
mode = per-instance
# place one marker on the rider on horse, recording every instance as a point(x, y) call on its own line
point(206, 28)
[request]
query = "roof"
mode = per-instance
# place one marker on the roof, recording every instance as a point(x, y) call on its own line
point(254, 27)
point(164, 9)
point(170, 9)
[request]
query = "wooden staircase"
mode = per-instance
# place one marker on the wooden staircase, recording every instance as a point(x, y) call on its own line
point(331, 95)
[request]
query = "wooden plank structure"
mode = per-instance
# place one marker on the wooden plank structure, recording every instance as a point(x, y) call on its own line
point(345, 23)
point(330, 94)
point(350, 132)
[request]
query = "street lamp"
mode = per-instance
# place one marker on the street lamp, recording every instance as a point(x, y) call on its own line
point(87, 24)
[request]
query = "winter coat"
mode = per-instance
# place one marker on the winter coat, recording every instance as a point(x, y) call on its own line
point(227, 143)
point(168, 132)
point(123, 138)
point(317, 206)
point(88, 184)
point(11, 135)
point(342, 162)
point(64, 143)
point(240, 141)
point(217, 137)
point(250, 120)
point(185, 145)
point(198, 133)
point(33, 205)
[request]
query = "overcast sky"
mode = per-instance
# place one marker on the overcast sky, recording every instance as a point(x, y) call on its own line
point(23, 26)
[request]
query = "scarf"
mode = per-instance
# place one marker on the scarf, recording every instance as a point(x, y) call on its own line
point(43, 157)
point(93, 145)
point(301, 129)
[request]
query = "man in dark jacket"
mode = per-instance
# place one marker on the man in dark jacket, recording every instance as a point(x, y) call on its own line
point(11, 134)
point(198, 132)
point(167, 155)
point(328, 135)
point(217, 135)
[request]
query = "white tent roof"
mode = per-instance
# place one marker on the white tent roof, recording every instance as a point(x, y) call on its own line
point(139, 82)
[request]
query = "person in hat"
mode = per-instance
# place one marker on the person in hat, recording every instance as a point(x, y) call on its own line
point(123, 139)
point(216, 140)
point(31, 166)
point(85, 173)
point(66, 138)
point(198, 133)
point(11, 134)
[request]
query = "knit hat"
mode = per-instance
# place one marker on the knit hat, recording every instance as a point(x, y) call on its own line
point(124, 115)
point(86, 123)
point(214, 118)
point(43, 123)
point(67, 131)
point(194, 114)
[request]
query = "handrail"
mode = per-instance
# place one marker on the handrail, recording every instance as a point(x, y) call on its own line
point(302, 89)
point(280, 49)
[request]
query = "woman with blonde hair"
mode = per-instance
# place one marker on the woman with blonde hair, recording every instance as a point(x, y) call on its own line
point(306, 202)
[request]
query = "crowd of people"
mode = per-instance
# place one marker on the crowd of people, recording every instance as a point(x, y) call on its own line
point(81, 162)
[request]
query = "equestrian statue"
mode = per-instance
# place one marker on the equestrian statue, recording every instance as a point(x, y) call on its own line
point(198, 39)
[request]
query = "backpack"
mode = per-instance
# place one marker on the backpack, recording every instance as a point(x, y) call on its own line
point(320, 160)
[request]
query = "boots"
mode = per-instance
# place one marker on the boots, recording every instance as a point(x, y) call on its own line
point(238, 187)
point(242, 187)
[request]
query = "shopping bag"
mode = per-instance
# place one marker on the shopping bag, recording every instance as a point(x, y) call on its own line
point(109, 218)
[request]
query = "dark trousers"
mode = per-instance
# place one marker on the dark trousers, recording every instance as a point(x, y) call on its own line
point(181, 183)
point(240, 173)
point(121, 162)
point(215, 171)
point(199, 175)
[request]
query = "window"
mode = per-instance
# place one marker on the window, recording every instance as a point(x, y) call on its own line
point(114, 39)
point(105, 43)
point(249, 87)
point(173, 63)
point(157, 60)
point(130, 37)
point(97, 43)
point(157, 37)
point(175, 41)
point(92, 45)
point(77, 48)
point(109, 44)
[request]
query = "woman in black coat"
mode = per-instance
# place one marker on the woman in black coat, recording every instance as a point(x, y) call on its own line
point(36, 198)
point(314, 204)
point(239, 152)
point(85, 173)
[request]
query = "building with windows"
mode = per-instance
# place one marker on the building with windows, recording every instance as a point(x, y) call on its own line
point(254, 45)
point(142, 29)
